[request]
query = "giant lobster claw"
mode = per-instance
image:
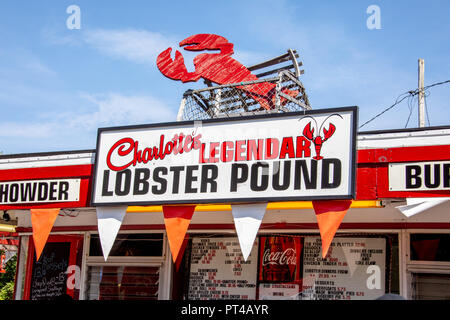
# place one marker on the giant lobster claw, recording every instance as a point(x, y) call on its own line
point(328, 133)
point(206, 41)
point(173, 69)
point(308, 132)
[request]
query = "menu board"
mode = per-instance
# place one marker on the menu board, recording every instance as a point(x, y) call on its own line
point(354, 269)
point(49, 273)
point(218, 270)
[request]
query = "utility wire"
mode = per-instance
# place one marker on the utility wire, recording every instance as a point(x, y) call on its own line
point(434, 84)
point(426, 106)
point(387, 109)
point(406, 94)
point(411, 101)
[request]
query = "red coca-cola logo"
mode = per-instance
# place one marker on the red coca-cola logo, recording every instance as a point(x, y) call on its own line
point(286, 257)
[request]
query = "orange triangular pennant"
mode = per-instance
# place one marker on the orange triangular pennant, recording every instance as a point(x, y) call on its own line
point(42, 221)
point(180, 256)
point(329, 216)
point(177, 219)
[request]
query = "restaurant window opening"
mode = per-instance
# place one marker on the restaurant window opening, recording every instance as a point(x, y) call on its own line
point(130, 244)
point(429, 266)
point(430, 247)
point(122, 283)
point(132, 270)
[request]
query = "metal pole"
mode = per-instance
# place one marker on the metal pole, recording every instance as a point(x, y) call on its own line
point(421, 93)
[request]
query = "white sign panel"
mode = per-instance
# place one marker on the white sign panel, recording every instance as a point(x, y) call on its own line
point(278, 291)
point(354, 269)
point(39, 191)
point(418, 176)
point(289, 156)
point(218, 270)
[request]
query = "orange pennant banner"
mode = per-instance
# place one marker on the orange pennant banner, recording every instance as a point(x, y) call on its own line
point(177, 219)
point(42, 221)
point(180, 256)
point(329, 216)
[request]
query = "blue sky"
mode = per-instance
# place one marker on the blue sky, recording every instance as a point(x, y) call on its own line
point(57, 86)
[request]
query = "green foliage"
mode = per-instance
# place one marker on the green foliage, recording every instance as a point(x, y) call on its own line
point(6, 293)
point(7, 279)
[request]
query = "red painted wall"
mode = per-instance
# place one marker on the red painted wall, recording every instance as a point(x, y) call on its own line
point(371, 175)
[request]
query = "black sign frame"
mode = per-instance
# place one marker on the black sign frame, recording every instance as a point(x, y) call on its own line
point(192, 123)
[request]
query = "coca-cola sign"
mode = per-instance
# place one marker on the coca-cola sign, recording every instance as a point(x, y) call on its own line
point(279, 258)
point(285, 257)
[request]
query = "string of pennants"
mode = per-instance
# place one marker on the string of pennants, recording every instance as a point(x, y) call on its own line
point(247, 220)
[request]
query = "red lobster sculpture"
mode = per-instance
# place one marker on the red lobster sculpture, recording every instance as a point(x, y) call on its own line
point(308, 132)
point(218, 67)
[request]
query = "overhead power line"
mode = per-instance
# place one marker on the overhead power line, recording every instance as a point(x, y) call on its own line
point(402, 97)
point(435, 84)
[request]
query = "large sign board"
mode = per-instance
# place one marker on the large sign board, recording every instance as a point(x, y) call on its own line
point(419, 176)
point(276, 157)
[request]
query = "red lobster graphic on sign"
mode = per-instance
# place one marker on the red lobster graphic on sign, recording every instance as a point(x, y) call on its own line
point(308, 132)
point(219, 68)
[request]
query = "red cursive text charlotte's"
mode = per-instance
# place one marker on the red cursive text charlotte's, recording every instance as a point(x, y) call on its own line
point(125, 147)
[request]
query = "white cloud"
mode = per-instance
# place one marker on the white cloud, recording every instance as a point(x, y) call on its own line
point(37, 115)
point(54, 35)
point(141, 46)
point(22, 63)
point(249, 58)
point(135, 45)
point(340, 69)
point(117, 109)
point(77, 129)
point(39, 68)
point(26, 130)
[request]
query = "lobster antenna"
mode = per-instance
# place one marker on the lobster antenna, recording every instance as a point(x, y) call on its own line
point(323, 122)
point(311, 118)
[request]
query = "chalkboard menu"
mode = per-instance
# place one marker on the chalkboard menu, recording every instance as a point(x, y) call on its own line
point(49, 273)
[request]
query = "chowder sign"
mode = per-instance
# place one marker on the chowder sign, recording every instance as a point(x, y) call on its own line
point(289, 156)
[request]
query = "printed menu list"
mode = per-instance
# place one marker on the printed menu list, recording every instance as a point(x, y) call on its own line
point(218, 270)
point(354, 269)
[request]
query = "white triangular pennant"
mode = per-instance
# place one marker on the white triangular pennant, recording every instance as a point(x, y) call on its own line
point(247, 219)
point(9, 255)
point(109, 220)
point(417, 205)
